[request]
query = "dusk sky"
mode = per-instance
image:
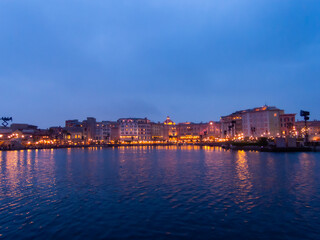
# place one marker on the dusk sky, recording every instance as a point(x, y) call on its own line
point(191, 60)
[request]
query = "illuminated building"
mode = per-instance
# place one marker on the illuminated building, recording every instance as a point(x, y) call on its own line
point(128, 129)
point(114, 131)
point(157, 131)
point(261, 122)
point(89, 129)
point(313, 129)
point(231, 125)
point(107, 131)
point(134, 129)
point(257, 122)
point(144, 130)
point(192, 131)
point(72, 123)
point(170, 130)
point(74, 134)
point(287, 124)
point(56, 133)
point(213, 130)
point(5, 132)
point(102, 131)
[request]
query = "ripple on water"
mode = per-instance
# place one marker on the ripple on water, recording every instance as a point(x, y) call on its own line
point(159, 193)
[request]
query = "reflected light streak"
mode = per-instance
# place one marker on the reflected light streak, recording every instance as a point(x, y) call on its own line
point(244, 183)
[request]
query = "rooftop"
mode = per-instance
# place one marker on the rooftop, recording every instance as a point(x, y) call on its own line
point(257, 109)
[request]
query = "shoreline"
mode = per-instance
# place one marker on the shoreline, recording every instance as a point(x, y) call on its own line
point(217, 144)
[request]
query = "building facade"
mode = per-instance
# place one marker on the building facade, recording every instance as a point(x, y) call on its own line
point(256, 122)
point(157, 131)
point(213, 130)
point(73, 123)
point(231, 125)
point(169, 130)
point(287, 124)
point(144, 130)
point(313, 129)
point(73, 134)
point(134, 129)
point(192, 131)
point(261, 122)
point(89, 129)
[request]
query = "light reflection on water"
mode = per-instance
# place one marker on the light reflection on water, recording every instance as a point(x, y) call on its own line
point(155, 193)
point(244, 185)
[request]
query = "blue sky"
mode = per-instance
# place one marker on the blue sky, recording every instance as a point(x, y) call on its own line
point(192, 60)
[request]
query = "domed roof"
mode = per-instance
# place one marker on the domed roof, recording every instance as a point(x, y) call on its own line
point(168, 121)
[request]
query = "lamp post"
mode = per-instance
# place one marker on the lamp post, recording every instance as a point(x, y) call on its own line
point(234, 127)
point(305, 115)
point(253, 131)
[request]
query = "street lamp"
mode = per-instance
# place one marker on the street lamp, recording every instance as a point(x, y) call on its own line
point(305, 115)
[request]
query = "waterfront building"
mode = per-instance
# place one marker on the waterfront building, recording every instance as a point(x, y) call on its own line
point(73, 123)
point(107, 131)
point(89, 129)
point(56, 133)
point(261, 122)
point(12, 139)
point(134, 129)
point(5, 132)
point(74, 131)
point(213, 130)
point(256, 122)
point(114, 131)
point(92, 130)
point(22, 126)
point(20, 134)
point(231, 125)
point(189, 131)
point(169, 130)
point(287, 124)
point(313, 129)
point(128, 129)
point(73, 134)
point(41, 136)
point(144, 130)
point(157, 131)
point(102, 131)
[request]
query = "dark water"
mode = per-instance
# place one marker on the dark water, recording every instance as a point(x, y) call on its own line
point(159, 193)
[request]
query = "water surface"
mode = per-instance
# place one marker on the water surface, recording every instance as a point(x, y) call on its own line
point(159, 193)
